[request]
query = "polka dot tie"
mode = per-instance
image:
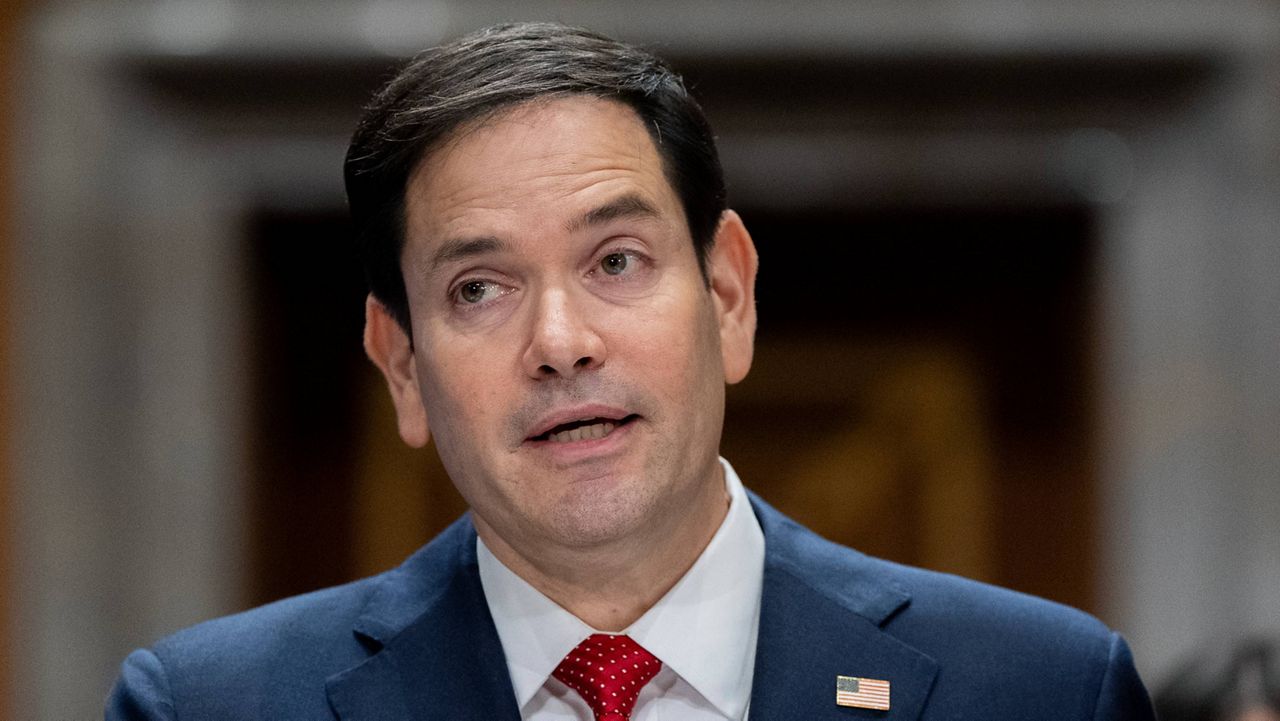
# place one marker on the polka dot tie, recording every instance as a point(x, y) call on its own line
point(608, 672)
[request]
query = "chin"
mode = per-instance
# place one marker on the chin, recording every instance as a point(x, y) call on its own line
point(594, 519)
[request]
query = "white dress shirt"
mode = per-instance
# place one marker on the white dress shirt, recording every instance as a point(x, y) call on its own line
point(703, 630)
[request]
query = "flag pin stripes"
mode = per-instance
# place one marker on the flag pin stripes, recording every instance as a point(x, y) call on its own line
point(869, 693)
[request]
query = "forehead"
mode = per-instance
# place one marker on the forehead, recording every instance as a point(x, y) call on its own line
point(545, 157)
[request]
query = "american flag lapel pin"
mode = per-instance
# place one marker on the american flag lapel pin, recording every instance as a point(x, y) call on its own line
point(856, 692)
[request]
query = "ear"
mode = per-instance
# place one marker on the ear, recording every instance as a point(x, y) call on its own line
point(389, 348)
point(732, 270)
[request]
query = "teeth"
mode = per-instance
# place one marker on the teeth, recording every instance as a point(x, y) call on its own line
point(583, 433)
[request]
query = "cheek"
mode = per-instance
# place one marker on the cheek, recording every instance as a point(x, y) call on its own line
point(680, 344)
point(459, 388)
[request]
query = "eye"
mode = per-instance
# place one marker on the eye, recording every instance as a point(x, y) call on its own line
point(614, 263)
point(622, 269)
point(474, 292)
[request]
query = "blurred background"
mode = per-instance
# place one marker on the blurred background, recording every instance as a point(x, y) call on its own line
point(1019, 303)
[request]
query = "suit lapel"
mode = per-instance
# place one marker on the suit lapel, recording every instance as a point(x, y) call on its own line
point(436, 653)
point(821, 614)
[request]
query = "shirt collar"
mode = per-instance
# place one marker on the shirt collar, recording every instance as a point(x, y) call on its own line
point(704, 629)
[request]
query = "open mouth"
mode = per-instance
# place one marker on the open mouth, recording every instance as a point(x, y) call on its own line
point(586, 429)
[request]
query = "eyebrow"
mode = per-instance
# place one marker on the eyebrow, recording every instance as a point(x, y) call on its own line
point(626, 206)
point(462, 248)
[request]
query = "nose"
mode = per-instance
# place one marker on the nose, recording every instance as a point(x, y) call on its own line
point(563, 341)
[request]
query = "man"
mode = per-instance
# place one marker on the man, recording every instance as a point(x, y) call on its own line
point(559, 295)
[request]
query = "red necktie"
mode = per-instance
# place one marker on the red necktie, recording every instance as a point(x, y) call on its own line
point(608, 672)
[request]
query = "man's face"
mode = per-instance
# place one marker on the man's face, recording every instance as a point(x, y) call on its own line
point(568, 355)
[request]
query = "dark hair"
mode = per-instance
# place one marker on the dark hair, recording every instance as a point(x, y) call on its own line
point(493, 69)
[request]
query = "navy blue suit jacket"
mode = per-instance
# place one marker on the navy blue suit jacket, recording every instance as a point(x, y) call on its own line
point(418, 643)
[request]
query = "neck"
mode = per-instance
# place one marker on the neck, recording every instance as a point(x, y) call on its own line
point(611, 585)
